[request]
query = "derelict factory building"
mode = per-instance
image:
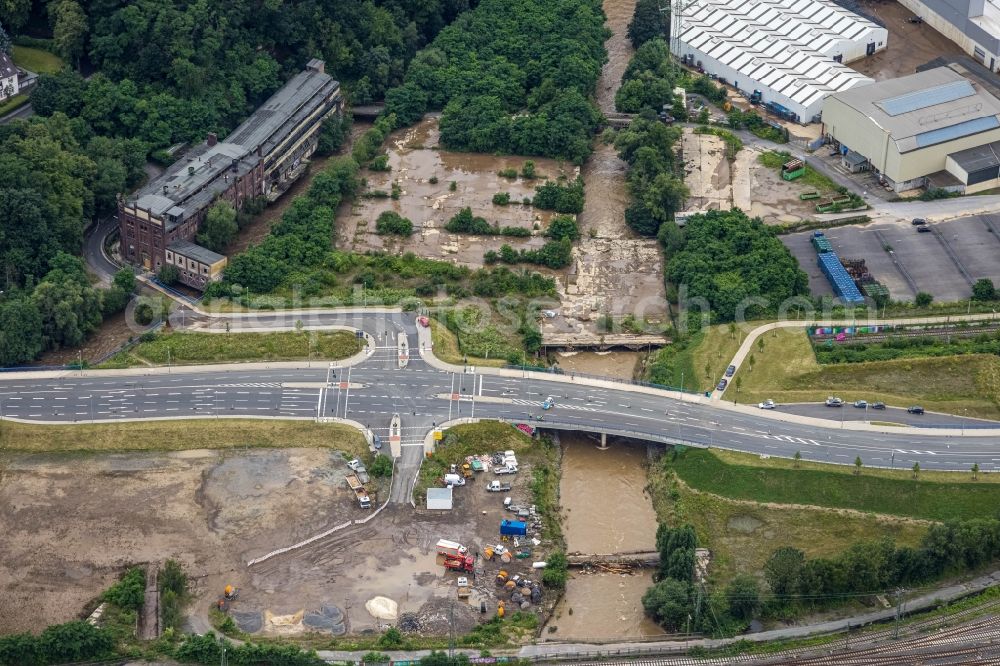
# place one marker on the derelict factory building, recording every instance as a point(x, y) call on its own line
point(261, 157)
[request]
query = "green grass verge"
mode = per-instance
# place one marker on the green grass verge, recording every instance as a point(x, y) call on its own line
point(446, 348)
point(37, 60)
point(186, 348)
point(787, 371)
point(15, 102)
point(741, 535)
point(179, 435)
point(886, 493)
point(811, 178)
point(467, 440)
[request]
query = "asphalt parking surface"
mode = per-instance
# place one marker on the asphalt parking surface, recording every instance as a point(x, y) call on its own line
point(889, 415)
point(975, 244)
point(918, 261)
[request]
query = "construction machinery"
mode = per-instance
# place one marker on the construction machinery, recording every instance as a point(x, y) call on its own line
point(502, 577)
point(450, 548)
point(464, 589)
point(359, 491)
point(500, 609)
point(466, 563)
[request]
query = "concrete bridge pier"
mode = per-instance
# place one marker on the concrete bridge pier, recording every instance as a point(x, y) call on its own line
point(604, 442)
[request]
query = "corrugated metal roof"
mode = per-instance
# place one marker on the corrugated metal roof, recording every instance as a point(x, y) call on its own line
point(957, 131)
point(980, 157)
point(790, 43)
point(922, 99)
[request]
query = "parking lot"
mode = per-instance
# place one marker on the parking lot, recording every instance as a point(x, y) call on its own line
point(943, 263)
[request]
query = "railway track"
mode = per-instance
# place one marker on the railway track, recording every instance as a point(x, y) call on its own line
point(936, 333)
point(930, 642)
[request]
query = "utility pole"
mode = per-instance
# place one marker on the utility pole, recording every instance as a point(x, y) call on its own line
point(899, 612)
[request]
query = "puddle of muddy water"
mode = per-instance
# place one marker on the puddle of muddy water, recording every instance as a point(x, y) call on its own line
point(620, 364)
point(603, 606)
point(591, 523)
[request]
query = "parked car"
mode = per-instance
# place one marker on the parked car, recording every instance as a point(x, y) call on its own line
point(723, 383)
point(878, 405)
point(767, 404)
point(549, 314)
point(424, 321)
point(861, 404)
point(834, 402)
point(730, 371)
point(915, 409)
point(356, 465)
point(918, 221)
point(924, 230)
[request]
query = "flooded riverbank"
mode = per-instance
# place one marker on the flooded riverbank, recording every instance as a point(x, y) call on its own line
point(603, 607)
point(590, 478)
point(606, 509)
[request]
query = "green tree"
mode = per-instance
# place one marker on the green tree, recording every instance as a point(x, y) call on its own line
point(743, 594)
point(332, 134)
point(389, 222)
point(857, 465)
point(392, 638)
point(669, 603)
point(168, 275)
point(923, 299)
point(975, 471)
point(219, 227)
point(563, 226)
point(125, 280)
point(75, 641)
point(20, 330)
point(5, 44)
point(916, 470)
point(14, 13)
point(70, 31)
point(798, 458)
point(129, 592)
point(381, 467)
point(648, 22)
point(983, 290)
point(782, 570)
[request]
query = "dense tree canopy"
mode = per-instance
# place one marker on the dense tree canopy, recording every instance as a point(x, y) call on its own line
point(511, 76)
point(648, 22)
point(654, 175)
point(172, 70)
point(732, 262)
point(648, 82)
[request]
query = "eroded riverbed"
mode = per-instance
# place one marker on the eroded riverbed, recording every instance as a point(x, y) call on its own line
point(606, 510)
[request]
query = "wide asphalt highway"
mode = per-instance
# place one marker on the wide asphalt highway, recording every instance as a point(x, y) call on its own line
point(424, 395)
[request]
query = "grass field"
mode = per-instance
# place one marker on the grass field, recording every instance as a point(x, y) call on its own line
point(191, 348)
point(940, 497)
point(446, 348)
point(471, 439)
point(179, 435)
point(742, 535)
point(787, 371)
point(36, 60)
point(811, 178)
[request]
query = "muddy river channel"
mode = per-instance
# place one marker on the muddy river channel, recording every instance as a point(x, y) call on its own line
point(597, 605)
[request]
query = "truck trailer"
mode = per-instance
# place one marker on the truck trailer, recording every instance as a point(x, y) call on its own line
point(359, 491)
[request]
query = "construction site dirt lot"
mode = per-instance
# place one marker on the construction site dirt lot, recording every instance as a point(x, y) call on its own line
point(927, 262)
point(72, 523)
point(416, 160)
point(910, 44)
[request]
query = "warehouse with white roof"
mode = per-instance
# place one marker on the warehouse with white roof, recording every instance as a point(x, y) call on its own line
point(790, 52)
point(935, 128)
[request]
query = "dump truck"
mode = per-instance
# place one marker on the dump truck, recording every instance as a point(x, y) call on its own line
point(497, 487)
point(359, 491)
point(450, 548)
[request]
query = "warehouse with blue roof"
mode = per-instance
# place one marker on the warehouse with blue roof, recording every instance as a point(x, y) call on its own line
point(923, 130)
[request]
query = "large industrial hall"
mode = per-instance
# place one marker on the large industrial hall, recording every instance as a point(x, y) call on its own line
point(787, 54)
